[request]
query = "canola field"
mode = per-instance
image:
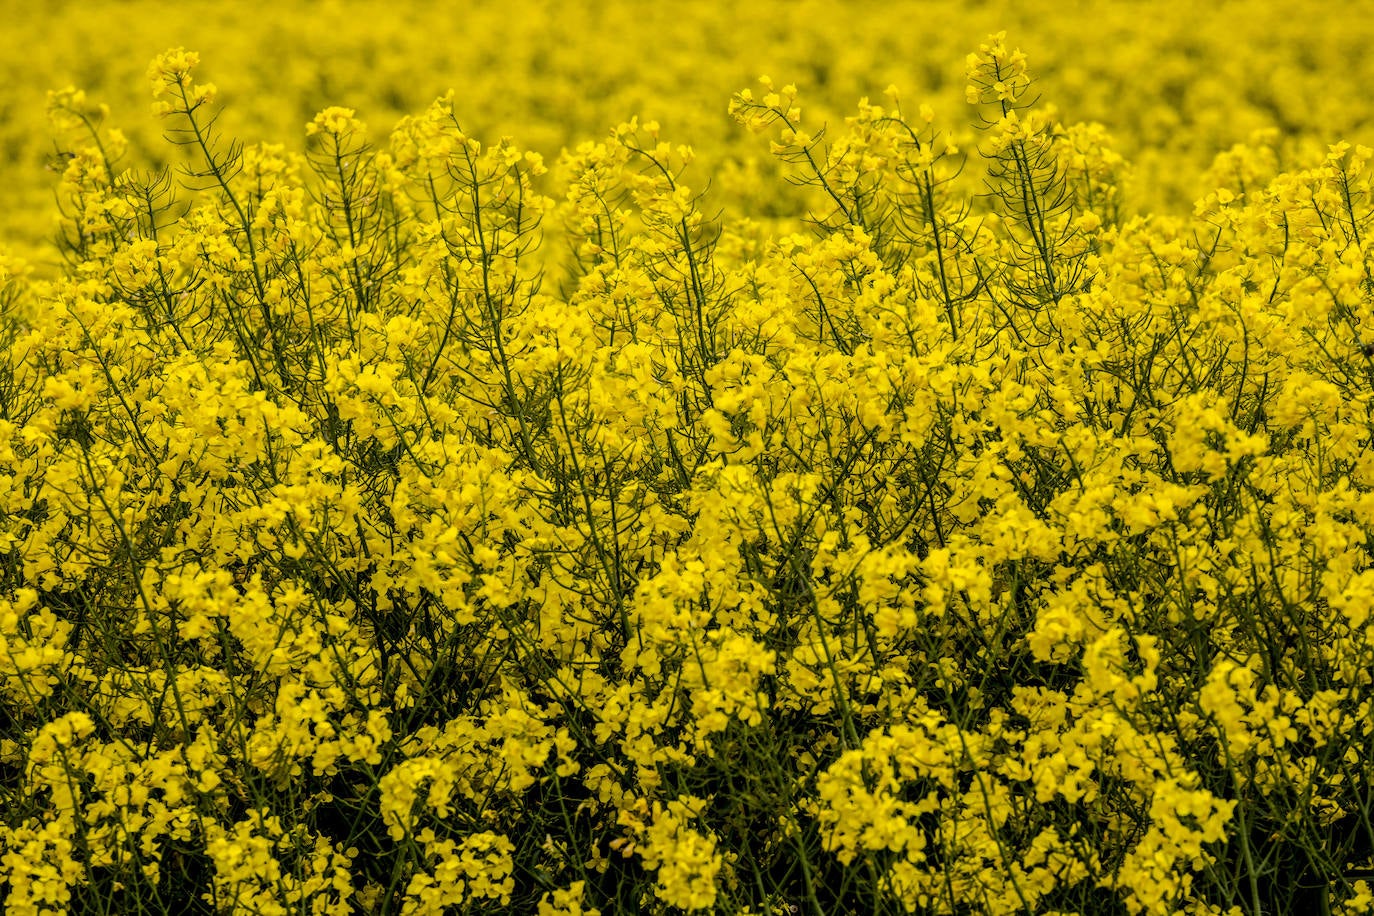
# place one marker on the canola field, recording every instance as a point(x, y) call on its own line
point(612, 458)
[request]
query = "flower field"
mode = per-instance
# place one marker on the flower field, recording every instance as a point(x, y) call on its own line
point(517, 459)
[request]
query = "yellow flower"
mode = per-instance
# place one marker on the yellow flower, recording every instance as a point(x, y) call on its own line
point(172, 68)
point(336, 121)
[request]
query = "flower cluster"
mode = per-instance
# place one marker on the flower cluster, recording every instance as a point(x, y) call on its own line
point(1197, 77)
point(402, 524)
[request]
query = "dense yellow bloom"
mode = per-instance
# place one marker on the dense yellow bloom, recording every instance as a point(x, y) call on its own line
point(566, 902)
point(477, 868)
point(927, 519)
point(250, 876)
